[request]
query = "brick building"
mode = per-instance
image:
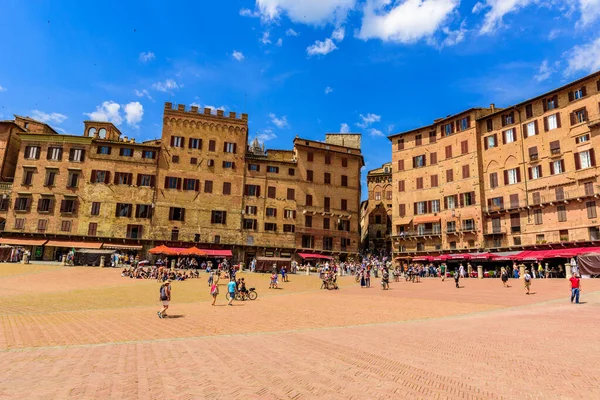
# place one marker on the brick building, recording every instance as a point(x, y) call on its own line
point(501, 179)
point(199, 184)
point(376, 216)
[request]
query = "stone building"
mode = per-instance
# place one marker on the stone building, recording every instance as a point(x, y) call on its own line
point(199, 184)
point(376, 216)
point(500, 179)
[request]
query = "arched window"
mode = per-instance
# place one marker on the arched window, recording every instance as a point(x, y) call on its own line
point(91, 132)
point(102, 133)
point(378, 234)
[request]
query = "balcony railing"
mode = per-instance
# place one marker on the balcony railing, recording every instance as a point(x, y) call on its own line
point(496, 230)
point(6, 186)
point(421, 233)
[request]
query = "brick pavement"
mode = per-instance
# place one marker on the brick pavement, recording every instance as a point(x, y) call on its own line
point(425, 340)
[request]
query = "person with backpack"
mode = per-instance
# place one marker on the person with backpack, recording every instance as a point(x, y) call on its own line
point(165, 298)
point(527, 281)
point(214, 292)
point(456, 279)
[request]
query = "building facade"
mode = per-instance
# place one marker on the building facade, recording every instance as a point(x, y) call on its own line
point(377, 213)
point(500, 179)
point(199, 184)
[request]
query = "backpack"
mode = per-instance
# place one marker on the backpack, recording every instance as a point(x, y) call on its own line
point(163, 293)
point(527, 278)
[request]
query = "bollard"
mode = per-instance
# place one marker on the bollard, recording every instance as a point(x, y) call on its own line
point(101, 261)
point(25, 259)
point(568, 272)
point(480, 272)
point(173, 265)
point(521, 271)
point(63, 260)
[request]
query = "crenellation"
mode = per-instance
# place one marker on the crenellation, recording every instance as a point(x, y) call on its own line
point(180, 107)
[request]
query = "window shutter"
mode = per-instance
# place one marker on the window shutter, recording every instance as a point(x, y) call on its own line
point(415, 208)
point(473, 202)
point(485, 143)
point(505, 177)
point(178, 183)
point(571, 97)
point(234, 148)
point(489, 203)
point(457, 122)
point(555, 98)
point(275, 212)
point(562, 165)
point(224, 147)
point(63, 205)
point(535, 125)
point(414, 162)
point(592, 157)
point(94, 175)
point(139, 180)
point(530, 173)
point(109, 150)
point(558, 120)
point(170, 213)
point(524, 130)
point(130, 179)
point(551, 168)
point(583, 91)
point(117, 175)
point(51, 206)
point(518, 174)
point(445, 202)
point(504, 120)
point(71, 152)
point(166, 182)
point(107, 178)
point(442, 128)
point(172, 141)
point(461, 199)
point(577, 161)
point(129, 210)
point(258, 191)
point(153, 181)
point(433, 158)
point(495, 139)
point(545, 104)
point(121, 151)
point(572, 117)
point(545, 124)
point(468, 121)
point(503, 137)
point(49, 153)
point(197, 186)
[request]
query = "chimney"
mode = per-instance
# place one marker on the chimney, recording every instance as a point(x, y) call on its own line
point(125, 139)
point(493, 107)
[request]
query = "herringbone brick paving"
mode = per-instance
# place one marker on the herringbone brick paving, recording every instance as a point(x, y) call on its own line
point(97, 336)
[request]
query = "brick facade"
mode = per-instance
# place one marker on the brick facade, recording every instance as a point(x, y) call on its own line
point(377, 213)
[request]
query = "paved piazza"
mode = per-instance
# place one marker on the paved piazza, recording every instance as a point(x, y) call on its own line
point(89, 333)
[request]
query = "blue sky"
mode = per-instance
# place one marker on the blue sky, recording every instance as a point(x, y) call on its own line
point(303, 67)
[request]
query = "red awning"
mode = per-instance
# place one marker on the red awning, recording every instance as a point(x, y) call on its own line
point(442, 257)
point(162, 249)
point(425, 220)
point(533, 255)
point(217, 253)
point(22, 241)
point(422, 258)
point(317, 256)
point(193, 251)
point(459, 256)
point(480, 256)
point(74, 245)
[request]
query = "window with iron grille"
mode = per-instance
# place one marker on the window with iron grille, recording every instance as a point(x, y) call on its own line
point(65, 226)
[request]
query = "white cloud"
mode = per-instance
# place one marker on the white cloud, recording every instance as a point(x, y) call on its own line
point(405, 22)
point(492, 19)
point(544, 72)
point(266, 37)
point(554, 33)
point(368, 120)
point(59, 130)
point(312, 12)
point(148, 56)
point(213, 108)
point(321, 48)
point(279, 122)
point(590, 11)
point(244, 12)
point(279, 42)
point(344, 128)
point(585, 57)
point(328, 89)
point(390, 128)
point(54, 118)
point(266, 135)
point(291, 32)
point(375, 132)
point(339, 34)
point(454, 37)
point(142, 93)
point(108, 111)
point(166, 86)
point(134, 112)
point(2, 89)
point(238, 55)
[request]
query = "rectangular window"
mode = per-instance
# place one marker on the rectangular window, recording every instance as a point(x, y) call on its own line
point(19, 223)
point(508, 119)
point(464, 123)
point(174, 235)
point(400, 144)
point(344, 163)
point(550, 103)
point(77, 155)
point(401, 187)
point(273, 170)
point(344, 205)
point(465, 171)
point(579, 116)
point(557, 167)
point(418, 140)
point(327, 159)
point(589, 188)
point(308, 221)
point(418, 161)
point(551, 122)
point(467, 199)
point(172, 182)
point(344, 180)
point(509, 135)
point(433, 158)
point(291, 194)
point(448, 151)
point(435, 206)
point(208, 186)
point(402, 210)
point(65, 226)
point(270, 227)
point(535, 172)
point(50, 178)
point(194, 143)
point(309, 175)
point(432, 137)
point(291, 172)
point(73, 179)
point(288, 228)
point(450, 202)
point(45, 205)
point(250, 224)
point(327, 243)
point(176, 214)
point(191, 184)
point(531, 129)
point(537, 216)
point(448, 129)
point(400, 165)
point(464, 147)
point(175, 159)
point(251, 210)
point(562, 213)
point(27, 177)
point(327, 204)
point(124, 210)
point(533, 153)
point(177, 141)
point(148, 154)
point(585, 159)
point(126, 152)
point(212, 145)
point(449, 175)
point(55, 153)
point(226, 188)
point(228, 164)
point(32, 152)
point(271, 192)
point(591, 209)
point(493, 180)
point(143, 211)
point(434, 180)
point(420, 207)
point(327, 178)
point(146, 180)
point(489, 125)
point(582, 139)
point(134, 231)
point(310, 156)
point(289, 214)
point(490, 142)
point(309, 200)
point(92, 228)
point(253, 167)
point(123, 178)
point(95, 208)
point(419, 184)
point(512, 176)
point(252, 190)
point(528, 111)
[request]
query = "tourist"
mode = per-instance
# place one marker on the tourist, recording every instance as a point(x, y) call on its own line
point(231, 286)
point(504, 276)
point(456, 279)
point(575, 288)
point(541, 271)
point(443, 271)
point(214, 292)
point(461, 270)
point(211, 278)
point(165, 298)
point(527, 281)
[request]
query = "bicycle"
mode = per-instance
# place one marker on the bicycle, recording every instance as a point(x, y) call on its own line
point(250, 294)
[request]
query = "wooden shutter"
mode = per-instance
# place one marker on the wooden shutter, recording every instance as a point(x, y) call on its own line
point(558, 120)
point(490, 125)
point(117, 175)
point(433, 158)
point(170, 213)
point(518, 174)
point(257, 191)
point(530, 173)
point(545, 124)
point(535, 125)
point(506, 177)
point(153, 181)
point(71, 151)
point(107, 177)
point(465, 171)
point(94, 175)
point(400, 165)
point(533, 151)
point(224, 147)
point(577, 161)
point(178, 183)
point(414, 162)
point(562, 165)
point(485, 143)
point(592, 157)
point(473, 202)
point(415, 208)
point(571, 97)
point(63, 206)
point(139, 180)
point(572, 118)
point(48, 153)
point(121, 151)
point(166, 182)
point(461, 200)
point(402, 210)
point(551, 168)
point(495, 140)
point(130, 179)
point(172, 141)
point(583, 91)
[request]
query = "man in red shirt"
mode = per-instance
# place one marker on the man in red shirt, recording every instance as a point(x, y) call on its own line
point(575, 288)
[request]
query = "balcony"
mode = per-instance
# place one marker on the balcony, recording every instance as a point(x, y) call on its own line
point(408, 235)
point(496, 230)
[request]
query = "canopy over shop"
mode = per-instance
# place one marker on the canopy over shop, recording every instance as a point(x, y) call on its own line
point(190, 251)
point(92, 257)
point(314, 256)
point(527, 255)
point(265, 264)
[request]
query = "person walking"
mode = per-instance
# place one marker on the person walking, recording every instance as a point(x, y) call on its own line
point(231, 286)
point(527, 281)
point(504, 276)
point(214, 292)
point(461, 270)
point(211, 278)
point(443, 271)
point(456, 279)
point(165, 298)
point(575, 288)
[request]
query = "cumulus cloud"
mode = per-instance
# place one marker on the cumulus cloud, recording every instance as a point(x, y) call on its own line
point(368, 119)
point(167, 86)
point(590, 11)
point(406, 21)
point(110, 111)
point(291, 32)
point(585, 57)
point(52, 118)
point(134, 112)
point(279, 122)
point(390, 128)
point(338, 34)
point(266, 135)
point(147, 56)
point(544, 72)
point(375, 132)
point(279, 42)
point(244, 12)
point(2, 89)
point(454, 37)
point(312, 12)
point(238, 55)
point(266, 37)
point(328, 89)
point(321, 47)
point(142, 93)
point(345, 128)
